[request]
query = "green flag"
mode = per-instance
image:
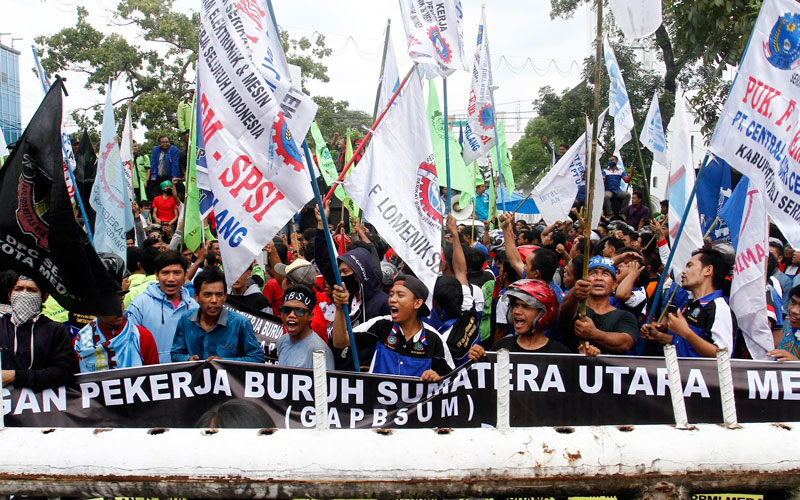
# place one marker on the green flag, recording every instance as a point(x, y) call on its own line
point(461, 176)
point(508, 174)
point(325, 161)
point(192, 223)
point(348, 202)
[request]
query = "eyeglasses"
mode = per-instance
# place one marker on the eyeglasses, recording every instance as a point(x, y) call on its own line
point(298, 311)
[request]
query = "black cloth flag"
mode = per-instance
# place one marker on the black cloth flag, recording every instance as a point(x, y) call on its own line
point(39, 236)
point(85, 172)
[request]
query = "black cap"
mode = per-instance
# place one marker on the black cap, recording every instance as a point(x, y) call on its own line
point(416, 287)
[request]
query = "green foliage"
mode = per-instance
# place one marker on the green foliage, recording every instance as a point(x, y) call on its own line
point(562, 118)
point(698, 41)
point(162, 74)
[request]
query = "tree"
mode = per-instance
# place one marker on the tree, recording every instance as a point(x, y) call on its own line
point(697, 41)
point(160, 75)
point(562, 118)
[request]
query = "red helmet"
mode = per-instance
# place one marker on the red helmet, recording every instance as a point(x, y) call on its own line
point(538, 295)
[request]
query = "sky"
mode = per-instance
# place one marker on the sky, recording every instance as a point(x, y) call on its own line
point(528, 49)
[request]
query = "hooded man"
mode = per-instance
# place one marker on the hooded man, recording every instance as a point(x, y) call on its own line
point(35, 351)
point(162, 304)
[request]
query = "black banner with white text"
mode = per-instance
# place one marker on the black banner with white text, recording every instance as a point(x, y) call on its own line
point(546, 390)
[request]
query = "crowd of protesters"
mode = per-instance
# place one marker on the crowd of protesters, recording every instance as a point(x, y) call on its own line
point(504, 283)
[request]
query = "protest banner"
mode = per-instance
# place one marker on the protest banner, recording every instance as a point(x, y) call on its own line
point(397, 188)
point(479, 133)
point(254, 168)
point(556, 192)
point(110, 197)
point(434, 36)
point(49, 246)
point(267, 327)
point(758, 132)
point(546, 390)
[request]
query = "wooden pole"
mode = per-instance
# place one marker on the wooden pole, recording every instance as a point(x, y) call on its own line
point(383, 66)
point(591, 168)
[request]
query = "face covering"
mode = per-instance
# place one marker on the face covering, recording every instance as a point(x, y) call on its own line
point(25, 306)
point(350, 282)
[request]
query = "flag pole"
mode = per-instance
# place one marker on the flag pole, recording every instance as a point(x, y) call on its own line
point(331, 253)
point(641, 165)
point(383, 66)
point(494, 117)
point(591, 168)
point(676, 240)
point(474, 198)
point(446, 147)
point(369, 134)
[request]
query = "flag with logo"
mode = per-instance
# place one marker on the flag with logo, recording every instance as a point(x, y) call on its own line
point(652, 136)
point(746, 213)
point(556, 192)
point(681, 183)
point(126, 151)
point(758, 129)
point(256, 174)
point(461, 177)
point(263, 43)
point(434, 35)
point(637, 18)
point(712, 194)
point(619, 106)
point(390, 80)
point(110, 196)
point(38, 223)
point(480, 113)
point(395, 184)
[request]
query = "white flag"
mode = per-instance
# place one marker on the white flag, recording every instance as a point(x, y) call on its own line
point(126, 151)
point(637, 18)
point(681, 182)
point(556, 192)
point(745, 210)
point(395, 184)
point(619, 106)
point(110, 197)
point(3, 145)
point(652, 136)
point(255, 170)
point(266, 49)
point(479, 135)
point(434, 35)
point(390, 79)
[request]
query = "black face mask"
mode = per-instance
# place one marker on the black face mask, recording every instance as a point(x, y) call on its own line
point(350, 282)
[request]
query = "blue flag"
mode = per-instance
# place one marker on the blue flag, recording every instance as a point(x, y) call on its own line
point(731, 211)
point(711, 196)
point(110, 197)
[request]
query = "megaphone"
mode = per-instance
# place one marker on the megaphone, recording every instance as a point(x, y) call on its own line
point(461, 207)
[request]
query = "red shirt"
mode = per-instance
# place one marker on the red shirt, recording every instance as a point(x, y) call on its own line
point(164, 208)
point(274, 294)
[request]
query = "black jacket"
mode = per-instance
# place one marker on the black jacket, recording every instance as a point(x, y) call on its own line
point(52, 362)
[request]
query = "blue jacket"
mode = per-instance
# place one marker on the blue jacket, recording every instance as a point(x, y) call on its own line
point(172, 160)
point(152, 310)
point(232, 338)
point(612, 178)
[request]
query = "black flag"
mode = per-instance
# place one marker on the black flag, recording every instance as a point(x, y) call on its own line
point(85, 172)
point(39, 236)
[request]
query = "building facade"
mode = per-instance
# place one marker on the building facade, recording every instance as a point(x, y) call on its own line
point(10, 120)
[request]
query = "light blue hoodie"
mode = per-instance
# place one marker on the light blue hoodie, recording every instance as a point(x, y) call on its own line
point(154, 311)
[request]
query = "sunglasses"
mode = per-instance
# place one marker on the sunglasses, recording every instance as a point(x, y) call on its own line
point(298, 311)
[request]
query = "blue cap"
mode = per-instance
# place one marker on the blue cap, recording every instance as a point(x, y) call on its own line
point(598, 262)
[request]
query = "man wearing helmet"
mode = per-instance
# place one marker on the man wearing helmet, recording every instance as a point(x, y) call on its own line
point(109, 342)
point(613, 330)
point(532, 310)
